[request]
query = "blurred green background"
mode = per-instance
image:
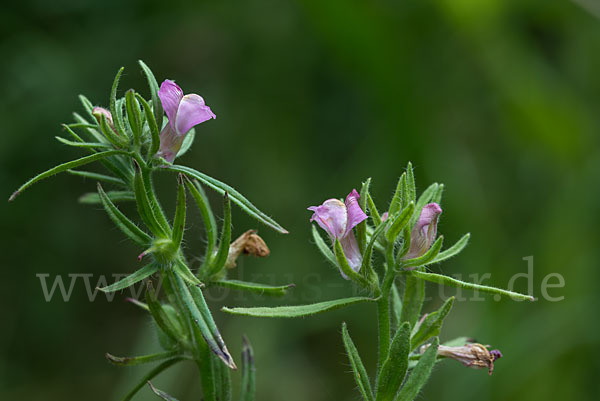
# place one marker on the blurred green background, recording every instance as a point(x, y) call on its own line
point(499, 100)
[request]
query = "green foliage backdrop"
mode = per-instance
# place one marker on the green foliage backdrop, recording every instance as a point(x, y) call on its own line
point(499, 100)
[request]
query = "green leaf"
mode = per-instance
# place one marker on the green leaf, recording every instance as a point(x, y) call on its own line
point(405, 243)
point(218, 262)
point(113, 137)
point(375, 217)
point(161, 393)
point(88, 145)
point(188, 141)
point(396, 305)
point(87, 105)
point(360, 373)
point(345, 266)
point(156, 103)
point(134, 115)
point(97, 177)
point(410, 182)
point(437, 197)
point(453, 250)
point(367, 261)
point(179, 220)
point(139, 360)
point(420, 374)
point(198, 311)
point(424, 199)
point(115, 196)
point(152, 126)
point(136, 277)
point(234, 195)
point(431, 325)
point(395, 366)
point(184, 272)
point(399, 222)
point(323, 247)
point(166, 323)
point(115, 110)
point(396, 204)
point(150, 375)
point(129, 228)
point(222, 379)
point(207, 216)
point(412, 302)
point(457, 342)
point(427, 258)
point(361, 228)
point(262, 289)
point(452, 282)
point(145, 209)
point(64, 167)
point(248, 372)
point(297, 310)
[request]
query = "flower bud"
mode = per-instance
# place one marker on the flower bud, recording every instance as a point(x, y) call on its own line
point(424, 233)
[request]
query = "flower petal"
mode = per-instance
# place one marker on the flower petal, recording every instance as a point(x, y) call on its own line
point(355, 213)
point(192, 111)
point(351, 251)
point(170, 95)
point(424, 232)
point(170, 143)
point(331, 216)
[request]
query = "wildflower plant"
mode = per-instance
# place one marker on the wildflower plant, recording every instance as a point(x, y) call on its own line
point(134, 141)
point(406, 237)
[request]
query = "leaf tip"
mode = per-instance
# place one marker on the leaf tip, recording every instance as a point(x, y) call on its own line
point(14, 196)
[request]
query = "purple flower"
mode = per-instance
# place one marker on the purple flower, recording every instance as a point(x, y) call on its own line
point(184, 112)
point(338, 219)
point(424, 232)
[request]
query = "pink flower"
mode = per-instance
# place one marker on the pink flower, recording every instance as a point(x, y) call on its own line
point(424, 233)
point(184, 112)
point(338, 219)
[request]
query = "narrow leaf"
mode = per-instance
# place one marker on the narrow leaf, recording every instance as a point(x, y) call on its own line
point(117, 140)
point(453, 250)
point(115, 196)
point(97, 177)
point(207, 216)
point(150, 375)
point(400, 221)
point(129, 228)
point(134, 115)
point(375, 217)
point(152, 126)
point(145, 209)
point(167, 324)
point(431, 325)
point(427, 258)
point(87, 105)
point(420, 374)
point(117, 116)
point(156, 103)
point(412, 302)
point(396, 305)
point(161, 393)
point(208, 328)
point(297, 310)
point(136, 277)
point(179, 220)
point(396, 203)
point(139, 360)
point(218, 262)
point(437, 196)
point(395, 366)
point(323, 247)
point(234, 195)
point(452, 282)
point(262, 289)
point(248, 372)
point(367, 261)
point(410, 182)
point(185, 273)
point(361, 228)
point(64, 167)
point(88, 145)
point(360, 373)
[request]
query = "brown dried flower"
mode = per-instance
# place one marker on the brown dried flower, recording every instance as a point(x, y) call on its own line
point(249, 243)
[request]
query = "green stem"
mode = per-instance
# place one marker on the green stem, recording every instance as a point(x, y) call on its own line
point(383, 306)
